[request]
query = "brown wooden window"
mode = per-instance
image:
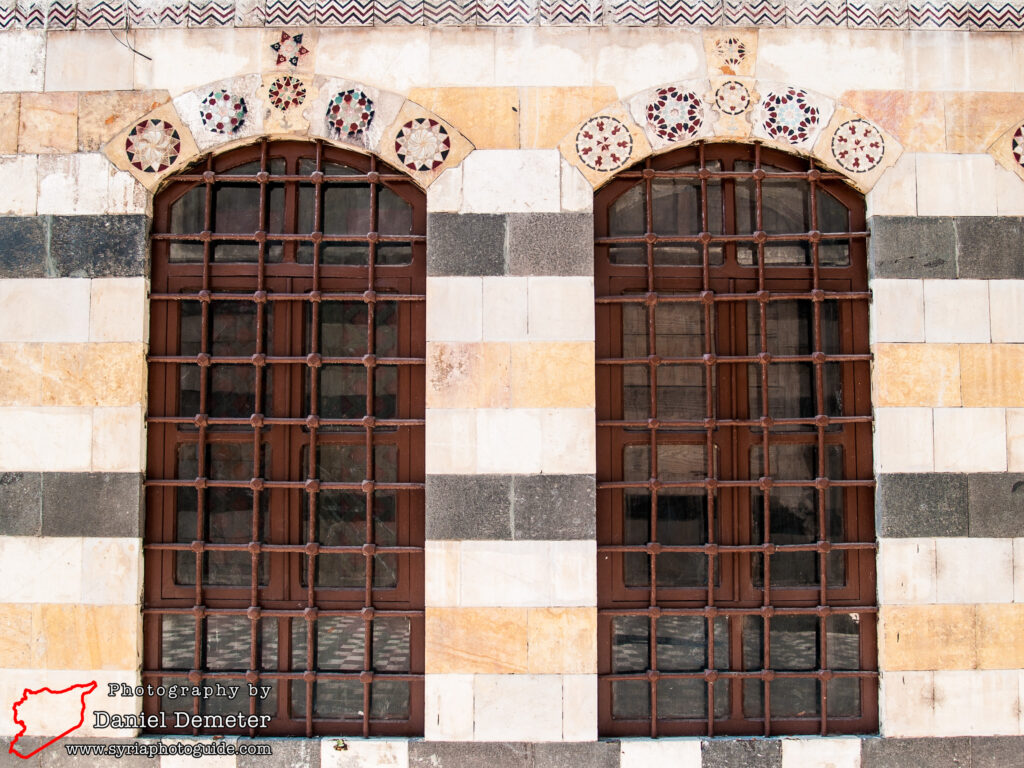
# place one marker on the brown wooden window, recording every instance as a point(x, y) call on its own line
point(284, 534)
point(735, 488)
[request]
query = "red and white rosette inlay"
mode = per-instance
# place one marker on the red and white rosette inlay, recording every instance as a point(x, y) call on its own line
point(858, 146)
point(422, 144)
point(604, 143)
point(675, 115)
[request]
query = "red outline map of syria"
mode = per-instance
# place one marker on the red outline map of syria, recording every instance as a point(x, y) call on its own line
point(40, 704)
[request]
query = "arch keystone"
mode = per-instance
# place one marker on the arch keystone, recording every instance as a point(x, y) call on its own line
point(605, 143)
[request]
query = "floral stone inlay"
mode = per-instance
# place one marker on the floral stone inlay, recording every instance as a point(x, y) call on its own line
point(286, 92)
point(289, 48)
point(153, 146)
point(422, 144)
point(789, 116)
point(349, 113)
point(858, 146)
point(732, 97)
point(731, 51)
point(604, 143)
point(1018, 146)
point(675, 114)
point(222, 113)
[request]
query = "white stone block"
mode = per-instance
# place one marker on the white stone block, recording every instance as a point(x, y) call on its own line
point(454, 306)
point(579, 708)
point(451, 441)
point(1015, 439)
point(118, 309)
point(570, 441)
point(517, 708)
point(110, 64)
point(111, 571)
point(1009, 193)
point(895, 192)
point(970, 570)
point(633, 59)
point(126, 195)
point(956, 311)
point(1006, 304)
point(459, 56)
point(956, 185)
point(181, 59)
point(45, 439)
point(441, 563)
point(18, 185)
point(1018, 575)
point(903, 440)
point(574, 580)
point(660, 753)
point(22, 66)
point(939, 61)
point(906, 571)
point(511, 180)
point(22, 580)
point(448, 707)
point(816, 752)
point(118, 439)
point(508, 574)
point(577, 194)
point(897, 310)
point(396, 61)
point(363, 753)
point(73, 184)
point(561, 308)
point(970, 440)
point(977, 702)
point(542, 56)
point(505, 305)
point(509, 441)
point(44, 309)
point(908, 704)
point(445, 194)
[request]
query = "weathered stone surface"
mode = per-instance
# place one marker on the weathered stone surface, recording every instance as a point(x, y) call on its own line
point(21, 503)
point(741, 753)
point(454, 754)
point(990, 247)
point(593, 754)
point(92, 504)
point(996, 505)
point(899, 753)
point(488, 117)
point(288, 753)
point(912, 246)
point(23, 246)
point(476, 640)
point(48, 122)
point(922, 504)
point(9, 117)
point(554, 507)
point(104, 114)
point(466, 244)
point(99, 246)
point(469, 506)
point(996, 751)
point(551, 243)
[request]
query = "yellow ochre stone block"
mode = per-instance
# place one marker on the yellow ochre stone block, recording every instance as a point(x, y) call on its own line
point(66, 636)
point(975, 120)
point(916, 375)
point(48, 122)
point(915, 118)
point(993, 375)
point(928, 637)
point(72, 374)
point(547, 113)
point(1000, 635)
point(475, 640)
point(488, 117)
point(9, 117)
point(16, 635)
point(21, 366)
point(103, 114)
point(553, 375)
point(562, 640)
point(468, 375)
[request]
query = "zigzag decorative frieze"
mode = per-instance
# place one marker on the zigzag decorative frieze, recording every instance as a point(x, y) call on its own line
point(991, 16)
point(102, 14)
point(31, 15)
point(61, 15)
point(827, 14)
point(398, 12)
point(871, 16)
point(634, 12)
point(929, 16)
point(758, 13)
point(342, 13)
point(447, 12)
point(570, 12)
point(692, 13)
point(211, 14)
point(290, 13)
point(502, 12)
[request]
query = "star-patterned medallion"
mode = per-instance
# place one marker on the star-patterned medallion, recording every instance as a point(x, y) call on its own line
point(152, 146)
point(289, 49)
point(349, 113)
point(604, 143)
point(858, 146)
point(422, 144)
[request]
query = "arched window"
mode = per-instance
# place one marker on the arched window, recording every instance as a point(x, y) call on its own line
point(284, 530)
point(735, 488)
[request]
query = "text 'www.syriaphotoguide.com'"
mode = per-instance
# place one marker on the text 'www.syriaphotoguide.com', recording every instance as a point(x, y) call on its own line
point(158, 749)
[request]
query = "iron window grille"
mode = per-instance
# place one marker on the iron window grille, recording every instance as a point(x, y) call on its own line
point(736, 579)
point(284, 534)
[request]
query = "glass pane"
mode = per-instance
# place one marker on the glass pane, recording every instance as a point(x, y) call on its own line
point(682, 699)
point(636, 530)
point(682, 643)
point(789, 327)
point(340, 643)
point(832, 215)
point(187, 212)
point(796, 697)
point(245, 169)
point(634, 330)
point(236, 208)
point(630, 651)
point(230, 461)
point(338, 571)
point(844, 697)
point(177, 642)
point(235, 252)
point(188, 396)
point(393, 213)
point(344, 255)
point(341, 518)
point(233, 328)
point(791, 392)
point(389, 700)
point(385, 323)
point(636, 392)
point(385, 386)
point(631, 700)
point(391, 645)
point(233, 390)
point(626, 216)
point(843, 641)
point(338, 463)
point(186, 505)
point(786, 204)
point(342, 392)
point(681, 392)
point(394, 254)
point(300, 645)
point(185, 252)
point(752, 635)
point(190, 323)
point(269, 643)
point(343, 329)
point(334, 699)
point(794, 645)
point(347, 209)
point(228, 642)
point(680, 329)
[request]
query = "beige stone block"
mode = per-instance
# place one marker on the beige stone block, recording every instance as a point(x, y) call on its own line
point(915, 118)
point(547, 114)
point(813, 752)
point(903, 440)
point(358, 752)
point(451, 441)
point(21, 365)
point(916, 637)
point(518, 708)
point(509, 574)
point(1001, 636)
point(16, 636)
point(970, 440)
point(660, 753)
point(579, 708)
point(988, 562)
point(294, 119)
point(895, 192)
point(956, 311)
point(577, 194)
point(118, 439)
point(977, 703)
point(505, 305)
point(992, 374)
point(93, 374)
point(48, 122)
point(917, 374)
point(906, 571)
point(975, 120)
point(561, 308)
point(448, 707)
point(1014, 440)
point(488, 117)
point(1009, 193)
point(456, 55)
point(159, 148)
point(507, 180)
point(22, 68)
point(509, 441)
point(454, 308)
point(117, 309)
point(955, 185)
point(1006, 304)
point(408, 53)
point(730, 51)
point(897, 310)
point(632, 59)
point(23, 581)
point(938, 61)
point(45, 439)
point(110, 63)
point(542, 56)
point(575, 573)
point(552, 375)
point(90, 636)
point(445, 194)
point(1018, 570)
point(562, 640)
point(10, 105)
point(74, 184)
point(908, 704)
point(605, 143)
point(181, 59)
point(570, 441)
point(468, 375)
point(103, 114)
point(126, 195)
point(857, 147)
point(476, 640)
point(442, 560)
point(412, 119)
point(111, 571)
point(18, 185)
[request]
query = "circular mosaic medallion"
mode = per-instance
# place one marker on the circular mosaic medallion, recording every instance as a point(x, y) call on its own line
point(675, 115)
point(731, 51)
point(789, 116)
point(422, 144)
point(152, 146)
point(604, 143)
point(222, 113)
point(1018, 145)
point(732, 97)
point(287, 92)
point(858, 146)
point(349, 113)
